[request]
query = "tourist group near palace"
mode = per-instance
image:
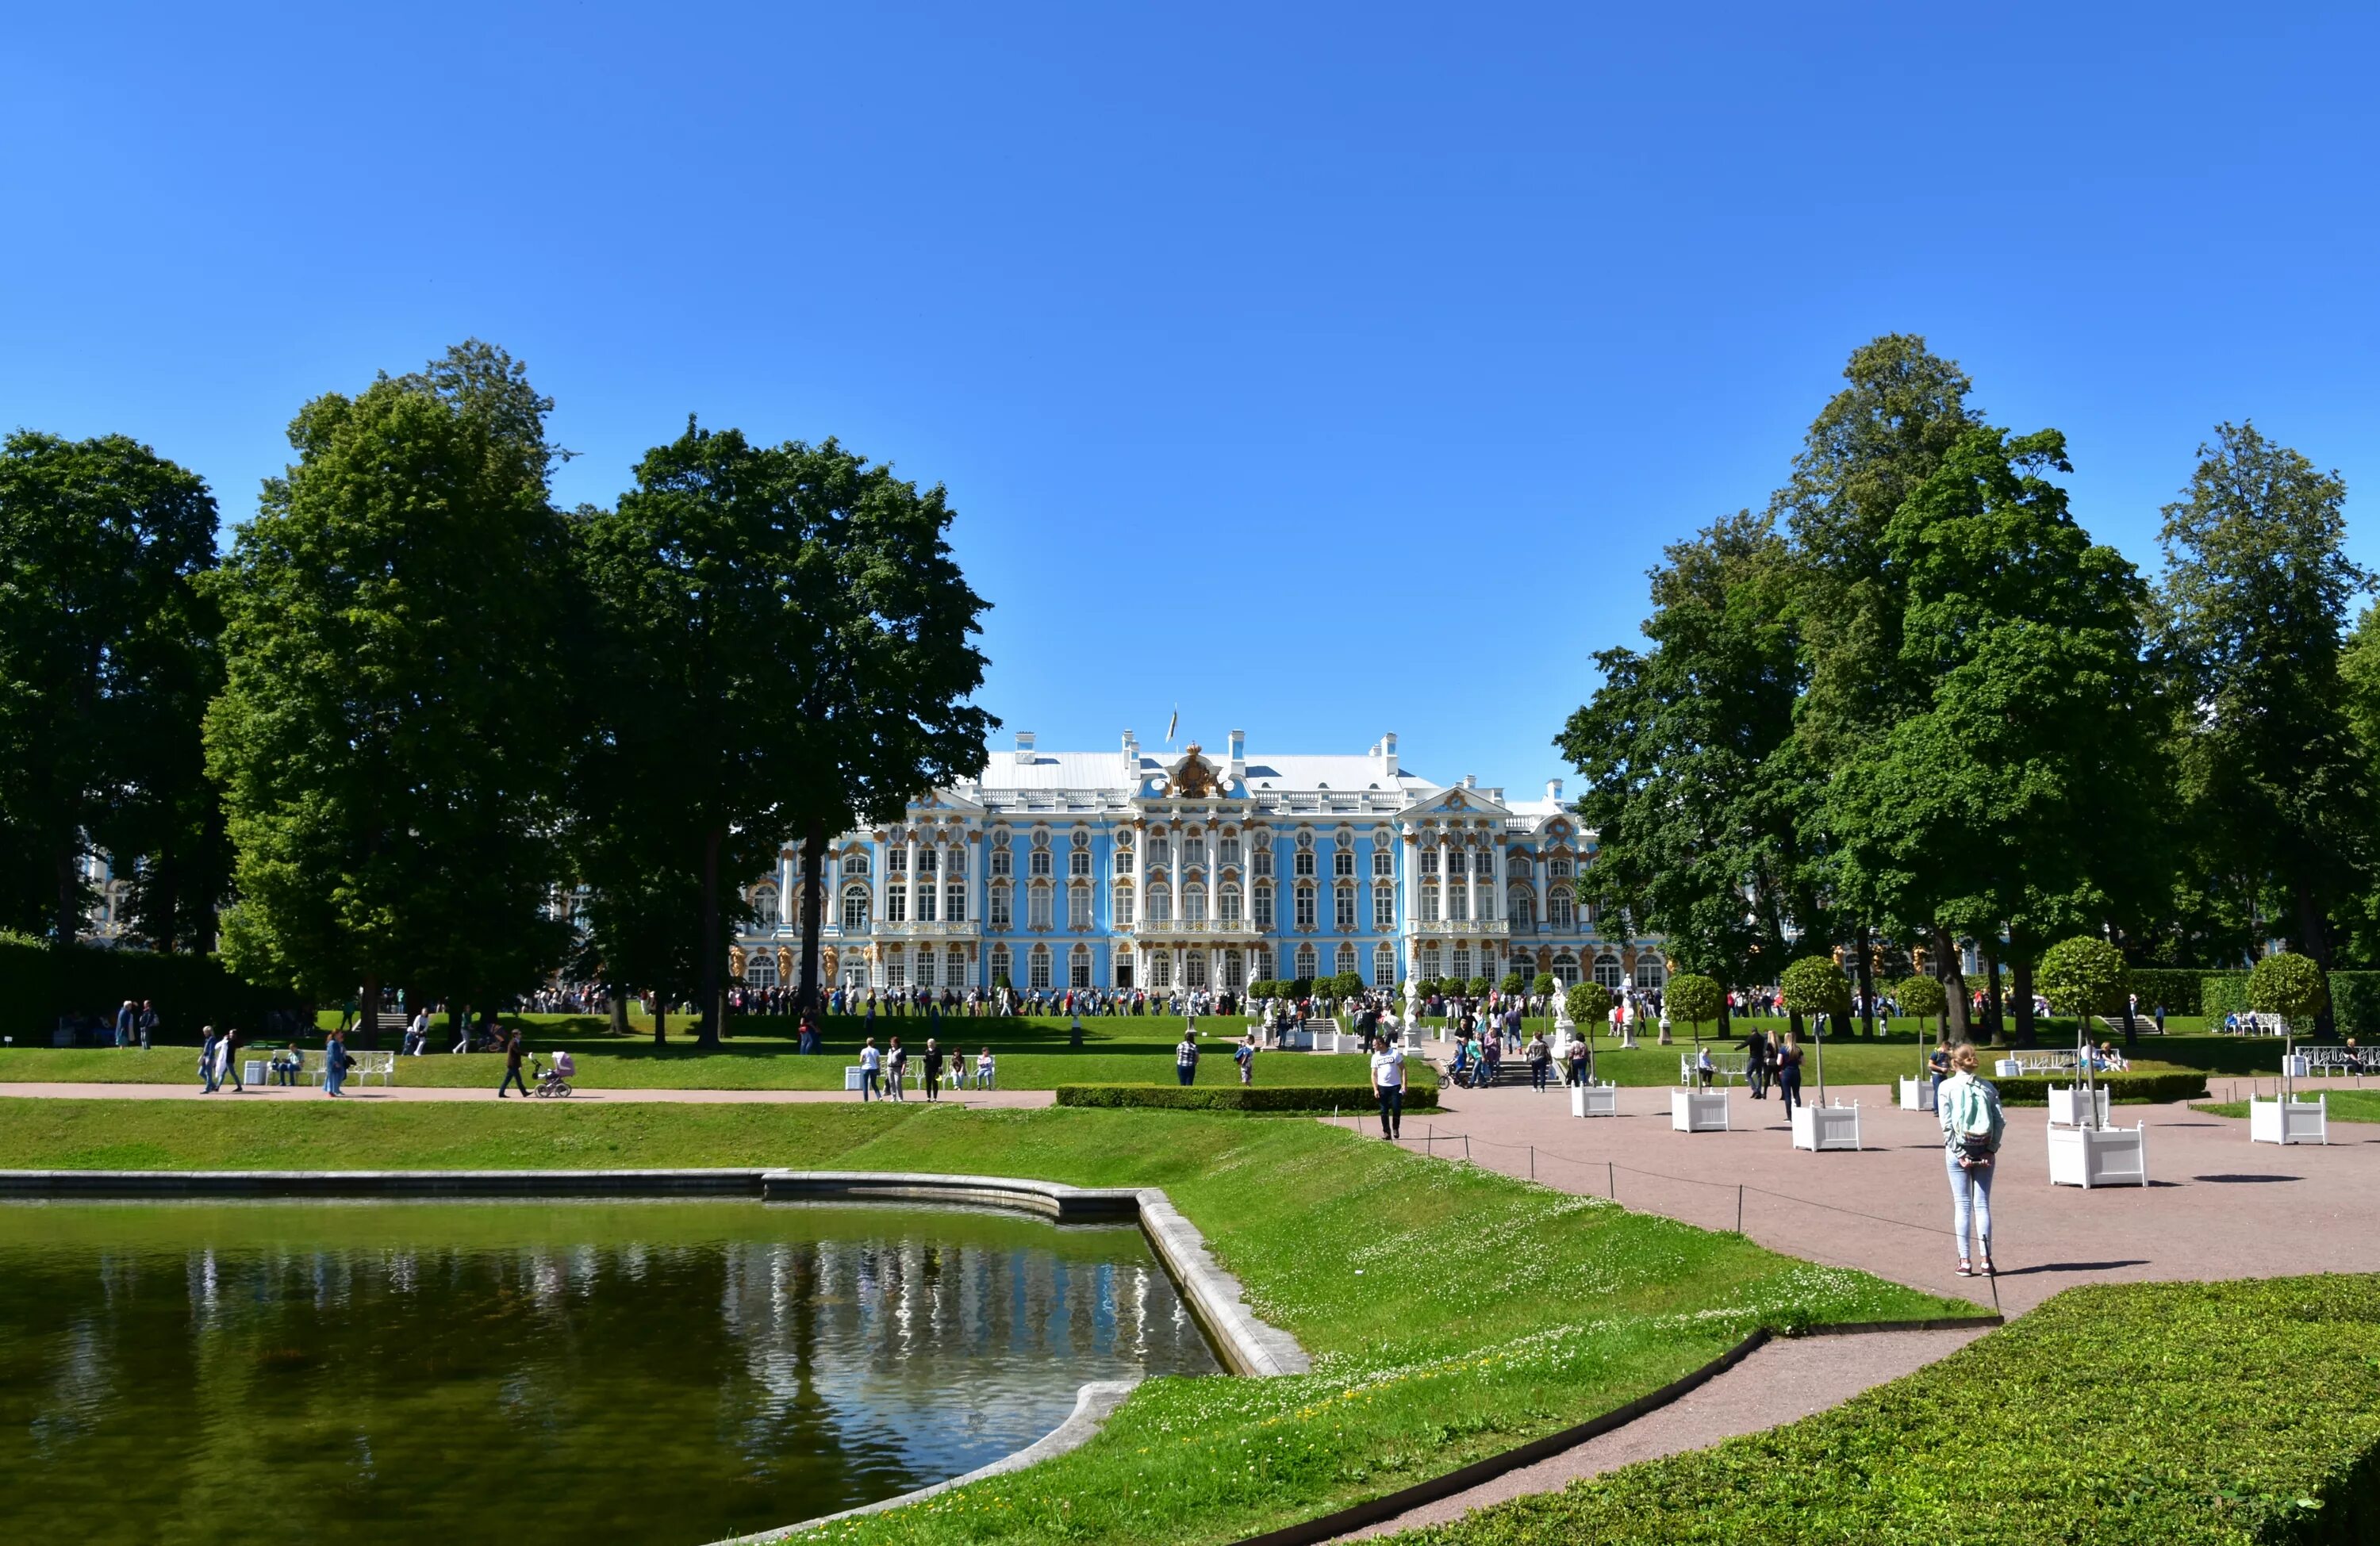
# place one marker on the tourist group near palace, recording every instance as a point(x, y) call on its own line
point(1126, 870)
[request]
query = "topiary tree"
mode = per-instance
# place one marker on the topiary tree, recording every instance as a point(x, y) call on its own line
point(1544, 986)
point(1922, 997)
point(1815, 985)
point(2290, 985)
point(1349, 985)
point(2082, 976)
point(1510, 985)
point(1588, 1004)
point(1478, 986)
point(1693, 998)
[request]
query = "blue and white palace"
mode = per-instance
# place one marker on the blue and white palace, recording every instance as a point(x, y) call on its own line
point(1125, 870)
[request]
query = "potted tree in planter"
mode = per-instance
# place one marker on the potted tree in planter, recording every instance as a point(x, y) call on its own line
point(1815, 985)
point(1585, 1006)
point(1922, 997)
point(2291, 986)
point(2083, 976)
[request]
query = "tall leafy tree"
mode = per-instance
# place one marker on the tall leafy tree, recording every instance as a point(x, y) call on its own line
point(2255, 599)
point(1695, 783)
point(788, 646)
point(387, 734)
point(105, 649)
point(2019, 788)
point(1902, 409)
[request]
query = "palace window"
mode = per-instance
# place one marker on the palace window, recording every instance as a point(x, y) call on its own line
point(1124, 860)
point(1228, 852)
point(1000, 915)
point(1262, 862)
point(1079, 967)
point(896, 969)
point(1122, 965)
point(1429, 904)
point(1038, 863)
point(1523, 908)
point(1194, 904)
point(1228, 901)
point(1463, 961)
point(1078, 864)
point(1606, 970)
point(1160, 853)
point(1558, 908)
point(1259, 963)
point(1193, 850)
point(1040, 966)
point(925, 901)
point(1078, 909)
point(1160, 970)
point(1345, 965)
point(1123, 904)
point(896, 904)
point(760, 972)
point(1302, 862)
point(1429, 957)
point(1263, 898)
point(855, 864)
point(1342, 912)
point(1232, 978)
point(955, 968)
point(1591, 912)
point(1305, 961)
point(1305, 907)
point(1559, 869)
point(1652, 973)
point(1342, 864)
point(855, 910)
point(1458, 903)
point(1429, 860)
point(1194, 970)
point(955, 902)
point(1000, 863)
point(1483, 864)
point(926, 861)
point(1384, 908)
point(764, 907)
point(896, 861)
point(1038, 904)
point(1000, 965)
point(925, 966)
point(1384, 965)
point(954, 862)
point(1384, 863)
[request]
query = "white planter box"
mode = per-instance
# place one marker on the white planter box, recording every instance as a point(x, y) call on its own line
point(2067, 1108)
point(252, 1070)
point(1595, 1100)
point(2298, 1066)
point(1699, 1110)
point(2099, 1156)
point(1826, 1127)
point(2287, 1121)
point(851, 1076)
point(2007, 1068)
point(1917, 1094)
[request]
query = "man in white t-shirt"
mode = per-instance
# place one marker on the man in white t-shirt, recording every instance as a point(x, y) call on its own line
point(870, 1066)
point(1389, 1088)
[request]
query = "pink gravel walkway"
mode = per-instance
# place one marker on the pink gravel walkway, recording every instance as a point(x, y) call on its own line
point(998, 1099)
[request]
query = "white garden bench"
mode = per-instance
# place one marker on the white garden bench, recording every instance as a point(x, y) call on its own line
point(1726, 1068)
point(360, 1067)
point(2336, 1059)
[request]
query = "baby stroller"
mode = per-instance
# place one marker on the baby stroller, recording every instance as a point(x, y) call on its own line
point(555, 1081)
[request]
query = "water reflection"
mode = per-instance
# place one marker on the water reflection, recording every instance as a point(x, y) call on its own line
point(457, 1373)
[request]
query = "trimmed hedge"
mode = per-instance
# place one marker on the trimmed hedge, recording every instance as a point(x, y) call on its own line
point(1236, 1097)
point(2164, 1414)
point(2176, 987)
point(2354, 999)
point(42, 983)
point(2124, 1089)
point(2222, 993)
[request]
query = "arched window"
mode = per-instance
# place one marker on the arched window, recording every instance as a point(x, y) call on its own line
point(1228, 903)
point(1302, 862)
point(1305, 907)
point(1003, 913)
point(1343, 863)
point(1565, 968)
point(1161, 851)
point(1194, 849)
point(1342, 912)
point(1384, 862)
point(1345, 965)
point(1194, 904)
point(1079, 967)
point(1038, 901)
point(1078, 864)
point(1122, 906)
point(1384, 965)
point(954, 901)
point(1262, 862)
point(1078, 911)
point(1384, 908)
point(1161, 905)
point(1523, 908)
point(1233, 979)
point(764, 909)
point(1124, 860)
point(1160, 970)
point(855, 864)
point(1228, 850)
point(855, 910)
point(1429, 957)
point(1194, 970)
point(1263, 898)
point(1607, 972)
point(1306, 960)
point(1000, 966)
point(1652, 973)
point(1039, 966)
point(1558, 909)
point(760, 970)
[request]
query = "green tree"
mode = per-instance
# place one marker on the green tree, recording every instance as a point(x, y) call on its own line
point(106, 647)
point(786, 646)
point(1588, 1003)
point(2290, 985)
point(2082, 976)
point(1693, 997)
point(1815, 985)
point(387, 734)
point(1510, 985)
point(1923, 997)
point(1546, 986)
point(2255, 597)
point(2017, 788)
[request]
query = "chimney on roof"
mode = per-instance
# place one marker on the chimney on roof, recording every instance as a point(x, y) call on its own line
point(1238, 744)
point(1023, 748)
point(1131, 758)
point(1553, 791)
point(1387, 750)
point(1471, 780)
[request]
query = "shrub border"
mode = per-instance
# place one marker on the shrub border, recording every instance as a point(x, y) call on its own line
point(2123, 1089)
point(1299, 1099)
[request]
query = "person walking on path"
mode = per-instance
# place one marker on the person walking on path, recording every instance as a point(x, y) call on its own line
point(1756, 1063)
point(933, 1069)
point(226, 1061)
point(514, 1052)
point(1389, 1088)
point(870, 1064)
point(334, 1062)
point(1244, 1054)
point(208, 1079)
point(1938, 1067)
point(1541, 1062)
point(1972, 1126)
point(1186, 1057)
point(1788, 1072)
point(897, 1056)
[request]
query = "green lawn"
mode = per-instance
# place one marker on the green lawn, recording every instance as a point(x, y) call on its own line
point(1452, 1312)
point(2345, 1105)
point(2220, 1414)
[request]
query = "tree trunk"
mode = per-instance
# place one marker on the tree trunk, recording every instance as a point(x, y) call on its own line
point(1992, 1021)
point(813, 910)
point(661, 1019)
point(68, 922)
point(619, 1010)
point(371, 1008)
point(1952, 975)
point(712, 946)
point(2020, 989)
point(1867, 980)
point(2314, 940)
point(165, 897)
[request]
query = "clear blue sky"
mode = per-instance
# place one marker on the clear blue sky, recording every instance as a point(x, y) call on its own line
point(1327, 369)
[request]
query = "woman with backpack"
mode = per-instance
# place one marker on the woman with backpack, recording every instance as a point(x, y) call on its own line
point(1971, 1127)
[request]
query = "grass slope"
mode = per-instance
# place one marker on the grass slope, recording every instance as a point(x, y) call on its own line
point(2137, 1415)
point(2345, 1105)
point(1452, 1312)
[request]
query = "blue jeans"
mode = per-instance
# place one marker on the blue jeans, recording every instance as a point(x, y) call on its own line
point(1970, 1199)
point(1789, 1083)
point(870, 1085)
point(333, 1080)
point(1187, 1071)
point(512, 1077)
point(1392, 1109)
point(1537, 1072)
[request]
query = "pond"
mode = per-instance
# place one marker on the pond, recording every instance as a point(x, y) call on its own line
point(452, 1372)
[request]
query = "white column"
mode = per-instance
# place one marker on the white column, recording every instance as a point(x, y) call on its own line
point(789, 895)
point(1501, 877)
point(1181, 842)
point(1537, 884)
point(909, 881)
point(876, 893)
point(1409, 882)
point(1445, 876)
point(1470, 885)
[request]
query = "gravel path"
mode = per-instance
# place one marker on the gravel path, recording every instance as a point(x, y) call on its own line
point(1782, 1382)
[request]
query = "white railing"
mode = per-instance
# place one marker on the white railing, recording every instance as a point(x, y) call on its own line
point(1465, 927)
point(940, 930)
point(1190, 926)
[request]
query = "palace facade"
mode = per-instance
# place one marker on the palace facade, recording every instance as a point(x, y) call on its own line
point(1129, 870)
